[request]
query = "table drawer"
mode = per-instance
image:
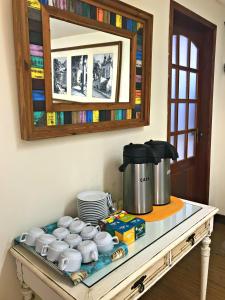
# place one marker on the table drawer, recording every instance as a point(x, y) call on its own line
point(188, 243)
point(142, 282)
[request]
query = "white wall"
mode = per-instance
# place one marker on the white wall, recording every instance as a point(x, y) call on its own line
point(40, 179)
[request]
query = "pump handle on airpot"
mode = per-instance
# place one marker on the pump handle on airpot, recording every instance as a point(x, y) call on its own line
point(122, 168)
point(168, 150)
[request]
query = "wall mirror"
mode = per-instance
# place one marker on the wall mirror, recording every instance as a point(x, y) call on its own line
point(82, 66)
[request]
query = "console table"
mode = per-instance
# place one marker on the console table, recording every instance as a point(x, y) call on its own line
point(151, 257)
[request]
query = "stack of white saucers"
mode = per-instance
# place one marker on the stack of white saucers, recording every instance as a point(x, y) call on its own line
point(92, 206)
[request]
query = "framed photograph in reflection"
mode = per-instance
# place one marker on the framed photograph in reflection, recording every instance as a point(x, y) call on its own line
point(79, 75)
point(60, 75)
point(87, 74)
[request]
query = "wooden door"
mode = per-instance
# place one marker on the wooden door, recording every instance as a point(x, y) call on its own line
point(191, 69)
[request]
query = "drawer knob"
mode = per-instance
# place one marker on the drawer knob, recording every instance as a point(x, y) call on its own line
point(191, 239)
point(141, 288)
point(139, 284)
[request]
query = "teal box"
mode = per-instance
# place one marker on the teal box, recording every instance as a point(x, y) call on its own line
point(124, 227)
point(139, 225)
point(118, 226)
point(112, 227)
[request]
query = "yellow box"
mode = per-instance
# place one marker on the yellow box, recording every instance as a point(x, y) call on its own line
point(127, 237)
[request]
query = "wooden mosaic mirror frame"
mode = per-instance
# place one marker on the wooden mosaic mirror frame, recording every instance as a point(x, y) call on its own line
point(36, 120)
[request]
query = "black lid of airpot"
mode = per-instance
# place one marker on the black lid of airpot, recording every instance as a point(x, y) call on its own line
point(163, 149)
point(137, 154)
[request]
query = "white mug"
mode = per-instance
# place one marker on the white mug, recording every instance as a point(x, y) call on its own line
point(105, 242)
point(88, 250)
point(61, 233)
point(53, 250)
point(42, 242)
point(29, 238)
point(65, 221)
point(77, 226)
point(70, 260)
point(89, 232)
point(73, 240)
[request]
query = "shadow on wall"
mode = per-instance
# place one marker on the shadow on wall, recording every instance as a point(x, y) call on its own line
point(71, 208)
point(113, 179)
point(112, 183)
point(9, 284)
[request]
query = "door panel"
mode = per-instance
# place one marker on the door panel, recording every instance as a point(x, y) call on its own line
point(191, 66)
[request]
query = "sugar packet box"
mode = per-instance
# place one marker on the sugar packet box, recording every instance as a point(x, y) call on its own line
point(139, 226)
point(128, 228)
point(111, 218)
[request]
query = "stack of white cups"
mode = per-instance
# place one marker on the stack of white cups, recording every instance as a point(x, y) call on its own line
point(59, 247)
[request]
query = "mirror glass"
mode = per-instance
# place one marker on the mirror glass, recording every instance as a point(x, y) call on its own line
point(87, 65)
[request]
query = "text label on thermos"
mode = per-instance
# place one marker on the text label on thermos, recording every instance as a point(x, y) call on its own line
point(144, 179)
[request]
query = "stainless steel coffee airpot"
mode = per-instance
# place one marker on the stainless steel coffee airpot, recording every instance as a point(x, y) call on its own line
point(138, 178)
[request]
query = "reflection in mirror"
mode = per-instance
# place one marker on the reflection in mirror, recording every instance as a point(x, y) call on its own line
point(88, 65)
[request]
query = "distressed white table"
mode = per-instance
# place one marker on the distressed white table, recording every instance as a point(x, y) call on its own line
point(151, 257)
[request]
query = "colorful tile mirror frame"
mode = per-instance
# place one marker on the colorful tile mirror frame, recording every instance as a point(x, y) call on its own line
point(45, 121)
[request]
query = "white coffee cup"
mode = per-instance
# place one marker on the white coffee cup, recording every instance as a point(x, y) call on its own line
point(61, 233)
point(53, 250)
point(70, 260)
point(88, 250)
point(42, 242)
point(77, 226)
point(29, 238)
point(73, 240)
point(65, 221)
point(89, 232)
point(105, 242)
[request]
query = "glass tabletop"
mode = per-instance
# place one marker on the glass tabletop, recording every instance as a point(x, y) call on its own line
point(154, 231)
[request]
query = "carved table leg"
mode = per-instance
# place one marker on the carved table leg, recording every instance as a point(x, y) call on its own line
point(205, 255)
point(26, 292)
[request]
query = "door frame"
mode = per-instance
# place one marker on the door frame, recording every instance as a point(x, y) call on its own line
point(212, 29)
